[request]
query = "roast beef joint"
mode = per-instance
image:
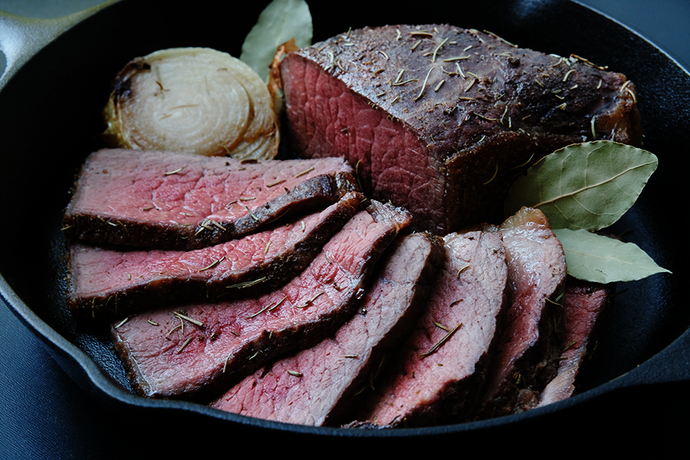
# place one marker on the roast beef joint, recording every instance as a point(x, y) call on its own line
point(441, 120)
point(372, 282)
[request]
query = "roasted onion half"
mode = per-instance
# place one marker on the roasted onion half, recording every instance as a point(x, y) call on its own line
point(196, 100)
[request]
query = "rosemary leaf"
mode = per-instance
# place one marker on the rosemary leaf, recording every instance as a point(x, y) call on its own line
point(187, 318)
point(440, 343)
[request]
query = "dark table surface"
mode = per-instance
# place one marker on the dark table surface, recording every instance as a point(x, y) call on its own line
point(44, 414)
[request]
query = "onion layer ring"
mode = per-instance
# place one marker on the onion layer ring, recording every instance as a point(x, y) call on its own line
point(195, 100)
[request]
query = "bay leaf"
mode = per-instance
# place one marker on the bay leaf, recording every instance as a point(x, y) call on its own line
point(280, 21)
point(597, 258)
point(584, 186)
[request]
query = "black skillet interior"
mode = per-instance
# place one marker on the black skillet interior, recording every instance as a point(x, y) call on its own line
point(50, 118)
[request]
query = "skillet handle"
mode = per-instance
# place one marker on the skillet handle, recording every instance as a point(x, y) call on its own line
point(21, 38)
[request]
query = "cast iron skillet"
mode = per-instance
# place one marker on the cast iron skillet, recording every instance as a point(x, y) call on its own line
point(50, 117)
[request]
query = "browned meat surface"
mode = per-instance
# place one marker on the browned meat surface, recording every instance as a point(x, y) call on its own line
point(183, 201)
point(583, 304)
point(168, 355)
point(528, 345)
point(434, 375)
point(316, 386)
point(105, 282)
point(440, 120)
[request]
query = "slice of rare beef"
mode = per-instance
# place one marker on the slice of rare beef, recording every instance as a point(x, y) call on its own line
point(528, 346)
point(198, 351)
point(316, 386)
point(440, 119)
point(583, 302)
point(435, 374)
point(182, 201)
point(106, 282)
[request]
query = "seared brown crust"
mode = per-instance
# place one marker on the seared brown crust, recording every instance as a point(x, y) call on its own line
point(504, 88)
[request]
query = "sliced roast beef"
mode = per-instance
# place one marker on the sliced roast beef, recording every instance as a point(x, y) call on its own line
point(440, 120)
point(183, 201)
point(583, 302)
point(197, 351)
point(316, 386)
point(105, 282)
point(528, 347)
point(435, 374)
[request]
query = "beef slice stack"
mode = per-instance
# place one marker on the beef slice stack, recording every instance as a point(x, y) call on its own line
point(148, 228)
point(332, 317)
point(188, 313)
point(194, 351)
point(493, 339)
point(436, 372)
point(110, 280)
point(483, 344)
point(529, 341)
point(440, 120)
point(316, 386)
